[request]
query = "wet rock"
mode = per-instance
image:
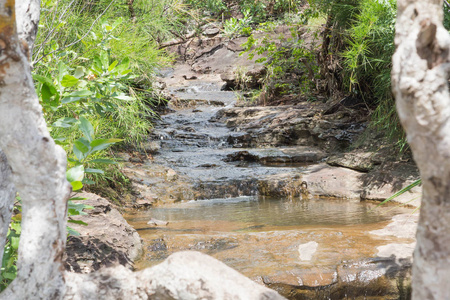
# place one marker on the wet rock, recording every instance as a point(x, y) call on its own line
point(291, 125)
point(157, 250)
point(214, 245)
point(327, 181)
point(225, 188)
point(278, 155)
point(152, 147)
point(171, 175)
point(151, 182)
point(306, 251)
point(157, 245)
point(282, 184)
point(143, 203)
point(401, 226)
point(155, 222)
point(190, 77)
point(105, 241)
point(253, 77)
point(376, 278)
point(353, 160)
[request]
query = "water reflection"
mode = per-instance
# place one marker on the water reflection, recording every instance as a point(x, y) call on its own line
point(268, 212)
point(262, 236)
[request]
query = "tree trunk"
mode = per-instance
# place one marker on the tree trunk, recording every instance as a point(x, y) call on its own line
point(420, 84)
point(38, 166)
point(28, 14)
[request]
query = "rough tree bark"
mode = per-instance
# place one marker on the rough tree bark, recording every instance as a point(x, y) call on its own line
point(28, 14)
point(38, 172)
point(38, 167)
point(420, 84)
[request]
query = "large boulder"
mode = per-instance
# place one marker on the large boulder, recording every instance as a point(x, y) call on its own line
point(193, 275)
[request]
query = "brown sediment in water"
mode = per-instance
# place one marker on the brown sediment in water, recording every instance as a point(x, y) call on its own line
point(267, 249)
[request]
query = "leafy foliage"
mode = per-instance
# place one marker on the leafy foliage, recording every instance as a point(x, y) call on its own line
point(8, 270)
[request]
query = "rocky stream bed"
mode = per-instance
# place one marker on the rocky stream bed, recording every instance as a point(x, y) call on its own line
point(275, 192)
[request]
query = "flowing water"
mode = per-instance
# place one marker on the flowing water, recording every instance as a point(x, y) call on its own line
point(296, 241)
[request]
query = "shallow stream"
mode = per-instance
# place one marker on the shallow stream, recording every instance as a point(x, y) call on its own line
point(304, 243)
point(263, 237)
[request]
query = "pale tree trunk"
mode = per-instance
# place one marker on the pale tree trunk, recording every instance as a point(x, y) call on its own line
point(38, 166)
point(420, 84)
point(28, 14)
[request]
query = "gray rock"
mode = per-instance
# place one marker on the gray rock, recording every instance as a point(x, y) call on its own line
point(212, 31)
point(324, 180)
point(105, 241)
point(193, 275)
point(152, 147)
point(353, 160)
point(402, 226)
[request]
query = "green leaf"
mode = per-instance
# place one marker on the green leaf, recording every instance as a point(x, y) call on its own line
point(77, 222)
point(77, 198)
point(79, 72)
point(76, 209)
point(97, 65)
point(75, 174)
point(62, 71)
point(9, 275)
point(117, 22)
point(92, 171)
point(100, 144)
point(46, 94)
point(46, 81)
point(76, 96)
point(76, 185)
point(112, 66)
point(81, 147)
point(65, 122)
point(86, 128)
point(103, 161)
point(15, 242)
point(105, 60)
point(71, 231)
point(17, 227)
point(88, 181)
point(78, 153)
point(69, 81)
point(124, 65)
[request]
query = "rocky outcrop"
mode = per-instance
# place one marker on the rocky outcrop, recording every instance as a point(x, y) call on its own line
point(106, 240)
point(302, 124)
point(326, 181)
point(389, 178)
point(355, 160)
